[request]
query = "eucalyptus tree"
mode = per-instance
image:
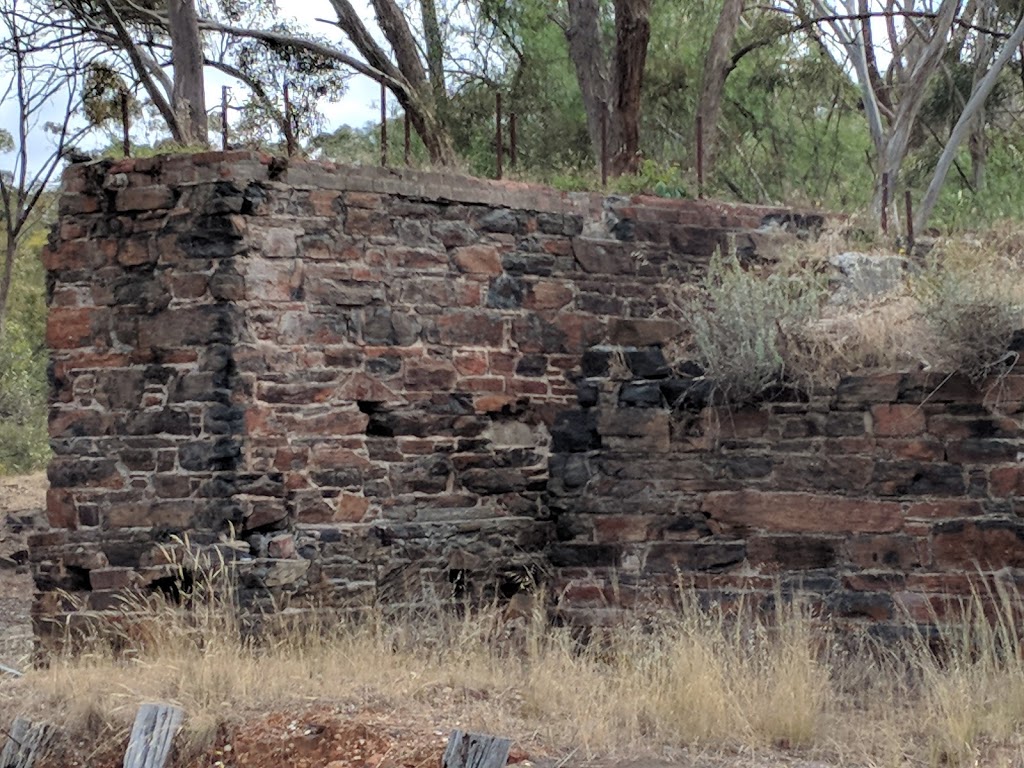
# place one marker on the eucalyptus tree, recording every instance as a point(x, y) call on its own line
point(42, 92)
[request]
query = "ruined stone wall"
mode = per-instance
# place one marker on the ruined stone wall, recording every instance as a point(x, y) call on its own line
point(365, 386)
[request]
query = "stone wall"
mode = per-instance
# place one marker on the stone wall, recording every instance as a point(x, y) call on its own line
point(364, 386)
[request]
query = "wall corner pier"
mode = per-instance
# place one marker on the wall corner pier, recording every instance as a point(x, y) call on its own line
point(366, 386)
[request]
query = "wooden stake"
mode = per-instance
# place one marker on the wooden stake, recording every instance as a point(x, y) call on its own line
point(513, 142)
point(499, 149)
point(383, 124)
point(408, 144)
point(126, 124)
point(224, 118)
point(289, 131)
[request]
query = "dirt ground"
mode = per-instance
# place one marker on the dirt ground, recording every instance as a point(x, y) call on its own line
point(22, 500)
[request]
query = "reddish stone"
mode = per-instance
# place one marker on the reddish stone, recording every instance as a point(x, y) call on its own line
point(493, 403)
point(897, 420)
point(799, 512)
point(939, 510)
point(471, 363)
point(369, 223)
point(61, 511)
point(428, 375)
point(471, 328)
point(735, 424)
point(363, 200)
point(282, 547)
point(917, 450)
point(968, 545)
point(548, 294)
point(352, 508)
point(481, 384)
point(113, 578)
point(70, 327)
point(1006, 481)
point(150, 198)
point(890, 551)
point(477, 260)
point(621, 528)
point(322, 201)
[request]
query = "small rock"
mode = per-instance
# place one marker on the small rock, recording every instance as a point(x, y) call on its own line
point(865, 276)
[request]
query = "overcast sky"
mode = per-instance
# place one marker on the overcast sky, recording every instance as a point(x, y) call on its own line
point(359, 105)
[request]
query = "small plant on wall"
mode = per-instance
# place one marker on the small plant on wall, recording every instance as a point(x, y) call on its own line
point(745, 325)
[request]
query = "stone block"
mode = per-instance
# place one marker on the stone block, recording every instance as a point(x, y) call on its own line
point(800, 513)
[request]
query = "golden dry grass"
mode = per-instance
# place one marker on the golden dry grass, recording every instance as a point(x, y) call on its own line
point(699, 679)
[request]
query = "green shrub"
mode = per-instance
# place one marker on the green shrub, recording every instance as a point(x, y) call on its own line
point(24, 444)
point(746, 326)
point(972, 304)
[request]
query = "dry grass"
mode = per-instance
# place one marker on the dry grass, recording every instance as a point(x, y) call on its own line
point(722, 683)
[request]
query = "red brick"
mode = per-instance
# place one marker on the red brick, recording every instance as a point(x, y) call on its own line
point(477, 260)
point(897, 420)
point(799, 512)
point(941, 510)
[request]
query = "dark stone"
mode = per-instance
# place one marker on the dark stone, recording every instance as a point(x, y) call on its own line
point(584, 556)
point(221, 455)
point(642, 394)
point(559, 224)
point(688, 527)
point(380, 326)
point(505, 292)
point(81, 472)
point(165, 421)
point(624, 229)
point(223, 419)
point(505, 221)
point(596, 363)
point(144, 291)
point(337, 477)
point(524, 263)
point(574, 432)
point(384, 366)
point(532, 365)
point(588, 394)
point(647, 363)
point(672, 556)
point(899, 478)
point(876, 606)
point(689, 394)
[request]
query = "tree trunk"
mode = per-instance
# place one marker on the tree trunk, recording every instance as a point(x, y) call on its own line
point(5, 280)
point(716, 69)
point(435, 57)
point(189, 93)
point(632, 34)
point(963, 125)
point(586, 52)
point(407, 80)
point(615, 99)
